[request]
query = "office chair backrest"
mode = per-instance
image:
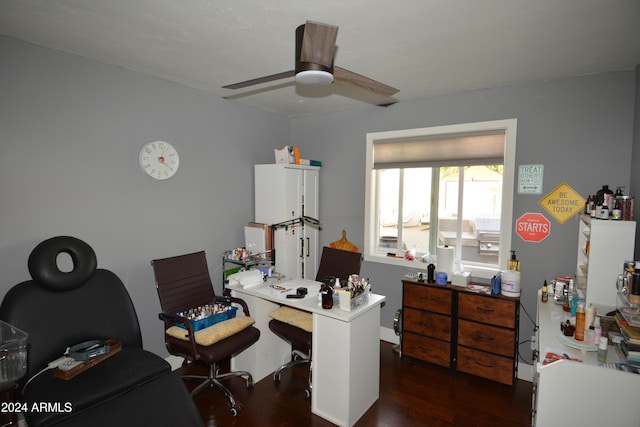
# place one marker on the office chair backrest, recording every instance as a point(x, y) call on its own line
point(338, 263)
point(59, 309)
point(183, 282)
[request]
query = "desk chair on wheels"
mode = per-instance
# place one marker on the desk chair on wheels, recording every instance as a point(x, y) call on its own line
point(295, 326)
point(183, 282)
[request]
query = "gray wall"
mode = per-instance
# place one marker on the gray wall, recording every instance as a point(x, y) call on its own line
point(635, 158)
point(71, 128)
point(579, 129)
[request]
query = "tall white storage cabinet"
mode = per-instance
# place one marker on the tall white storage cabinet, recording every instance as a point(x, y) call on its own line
point(603, 247)
point(285, 192)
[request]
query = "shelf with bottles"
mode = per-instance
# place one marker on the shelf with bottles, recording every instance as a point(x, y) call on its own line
point(242, 257)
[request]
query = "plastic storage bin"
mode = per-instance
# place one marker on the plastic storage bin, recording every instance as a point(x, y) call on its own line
point(13, 354)
point(222, 313)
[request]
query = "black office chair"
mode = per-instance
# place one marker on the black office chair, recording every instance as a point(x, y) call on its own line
point(295, 326)
point(183, 283)
point(59, 309)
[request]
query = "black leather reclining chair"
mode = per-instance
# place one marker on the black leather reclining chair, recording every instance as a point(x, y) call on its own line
point(59, 309)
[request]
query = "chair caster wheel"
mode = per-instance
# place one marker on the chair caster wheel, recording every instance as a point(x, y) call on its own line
point(235, 409)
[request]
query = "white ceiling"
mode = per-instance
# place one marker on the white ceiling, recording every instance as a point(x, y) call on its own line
point(425, 48)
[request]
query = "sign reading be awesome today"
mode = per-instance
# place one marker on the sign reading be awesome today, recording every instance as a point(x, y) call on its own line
point(563, 202)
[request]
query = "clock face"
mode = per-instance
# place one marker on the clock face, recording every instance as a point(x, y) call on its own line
point(159, 159)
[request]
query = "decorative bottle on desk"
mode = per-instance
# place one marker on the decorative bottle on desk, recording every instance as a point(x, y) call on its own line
point(326, 293)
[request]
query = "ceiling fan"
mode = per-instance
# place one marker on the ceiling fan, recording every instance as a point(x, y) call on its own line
point(315, 49)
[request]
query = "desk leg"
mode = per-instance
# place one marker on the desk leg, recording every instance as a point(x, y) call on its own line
point(346, 367)
point(266, 355)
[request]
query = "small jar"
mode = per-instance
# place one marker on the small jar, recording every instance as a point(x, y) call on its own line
point(602, 349)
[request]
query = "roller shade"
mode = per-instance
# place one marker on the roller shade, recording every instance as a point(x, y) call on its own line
point(462, 149)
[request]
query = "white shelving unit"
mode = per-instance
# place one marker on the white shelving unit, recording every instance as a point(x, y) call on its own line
point(603, 247)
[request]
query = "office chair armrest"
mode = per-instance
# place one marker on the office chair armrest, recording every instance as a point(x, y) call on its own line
point(172, 319)
point(234, 300)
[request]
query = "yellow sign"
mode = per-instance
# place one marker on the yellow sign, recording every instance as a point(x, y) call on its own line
point(563, 202)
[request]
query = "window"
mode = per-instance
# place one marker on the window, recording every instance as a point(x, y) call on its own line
point(446, 185)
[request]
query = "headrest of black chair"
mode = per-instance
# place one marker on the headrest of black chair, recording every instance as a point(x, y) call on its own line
point(43, 263)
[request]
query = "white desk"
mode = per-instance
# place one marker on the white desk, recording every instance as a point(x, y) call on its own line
point(346, 348)
point(579, 393)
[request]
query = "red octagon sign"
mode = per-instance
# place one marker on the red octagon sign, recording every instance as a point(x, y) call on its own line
point(533, 227)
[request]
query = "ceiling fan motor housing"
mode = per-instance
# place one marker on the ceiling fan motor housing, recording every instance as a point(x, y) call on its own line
point(308, 72)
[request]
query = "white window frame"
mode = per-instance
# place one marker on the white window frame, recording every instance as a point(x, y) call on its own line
point(506, 215)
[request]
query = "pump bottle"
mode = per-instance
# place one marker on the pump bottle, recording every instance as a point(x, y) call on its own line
point(513, 263)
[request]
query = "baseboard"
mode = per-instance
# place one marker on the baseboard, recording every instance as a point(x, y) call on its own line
point(525, 372)
point(388, 335)
point(174, 361)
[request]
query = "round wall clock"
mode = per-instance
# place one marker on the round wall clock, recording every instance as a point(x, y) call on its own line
point(159, 159)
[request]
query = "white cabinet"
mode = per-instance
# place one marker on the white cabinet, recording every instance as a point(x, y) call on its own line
point(285, 192)
point(603, 247)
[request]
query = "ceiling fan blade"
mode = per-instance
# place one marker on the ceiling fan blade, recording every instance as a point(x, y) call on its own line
point(260, 80)
point(318, 43)
point(349, 78)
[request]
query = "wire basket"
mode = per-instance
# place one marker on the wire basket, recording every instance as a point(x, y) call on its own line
point(13, 353)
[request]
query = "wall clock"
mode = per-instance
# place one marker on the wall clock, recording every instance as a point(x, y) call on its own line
point(159, 159)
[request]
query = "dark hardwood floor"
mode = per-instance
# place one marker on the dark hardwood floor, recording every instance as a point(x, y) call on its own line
point(412, 393)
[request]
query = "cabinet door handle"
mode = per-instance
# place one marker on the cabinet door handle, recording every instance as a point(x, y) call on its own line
point(301, 247)
point(308, 246)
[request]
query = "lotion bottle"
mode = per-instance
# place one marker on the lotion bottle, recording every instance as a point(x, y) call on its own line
point(598, 330)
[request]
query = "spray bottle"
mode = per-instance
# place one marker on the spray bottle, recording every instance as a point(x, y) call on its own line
point(513, 263)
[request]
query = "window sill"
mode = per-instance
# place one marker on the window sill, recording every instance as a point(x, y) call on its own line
point(478, 273)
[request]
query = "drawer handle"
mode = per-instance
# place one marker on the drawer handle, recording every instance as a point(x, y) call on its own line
point(485, 310)
point(483, 338)
point(482, 364)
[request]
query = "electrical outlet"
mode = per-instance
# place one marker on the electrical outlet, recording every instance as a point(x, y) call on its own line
point(533, 342)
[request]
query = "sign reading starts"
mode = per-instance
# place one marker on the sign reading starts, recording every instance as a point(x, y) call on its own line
point(563, 202)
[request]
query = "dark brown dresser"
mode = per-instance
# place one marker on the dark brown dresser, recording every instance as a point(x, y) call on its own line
point(466, 331)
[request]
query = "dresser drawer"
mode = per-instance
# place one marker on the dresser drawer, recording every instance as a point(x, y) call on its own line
point(427, 349)
point(427, 298)
point(425, 323)
point(484, 309)
point(492, 367)
point(487, 338)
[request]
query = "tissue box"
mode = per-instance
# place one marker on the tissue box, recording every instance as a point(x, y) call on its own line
point(284, 155)
point(461, 279)
point(348, 304)
point(223, 312)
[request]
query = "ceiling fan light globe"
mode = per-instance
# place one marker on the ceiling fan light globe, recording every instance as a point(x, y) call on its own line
point(314, 78)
